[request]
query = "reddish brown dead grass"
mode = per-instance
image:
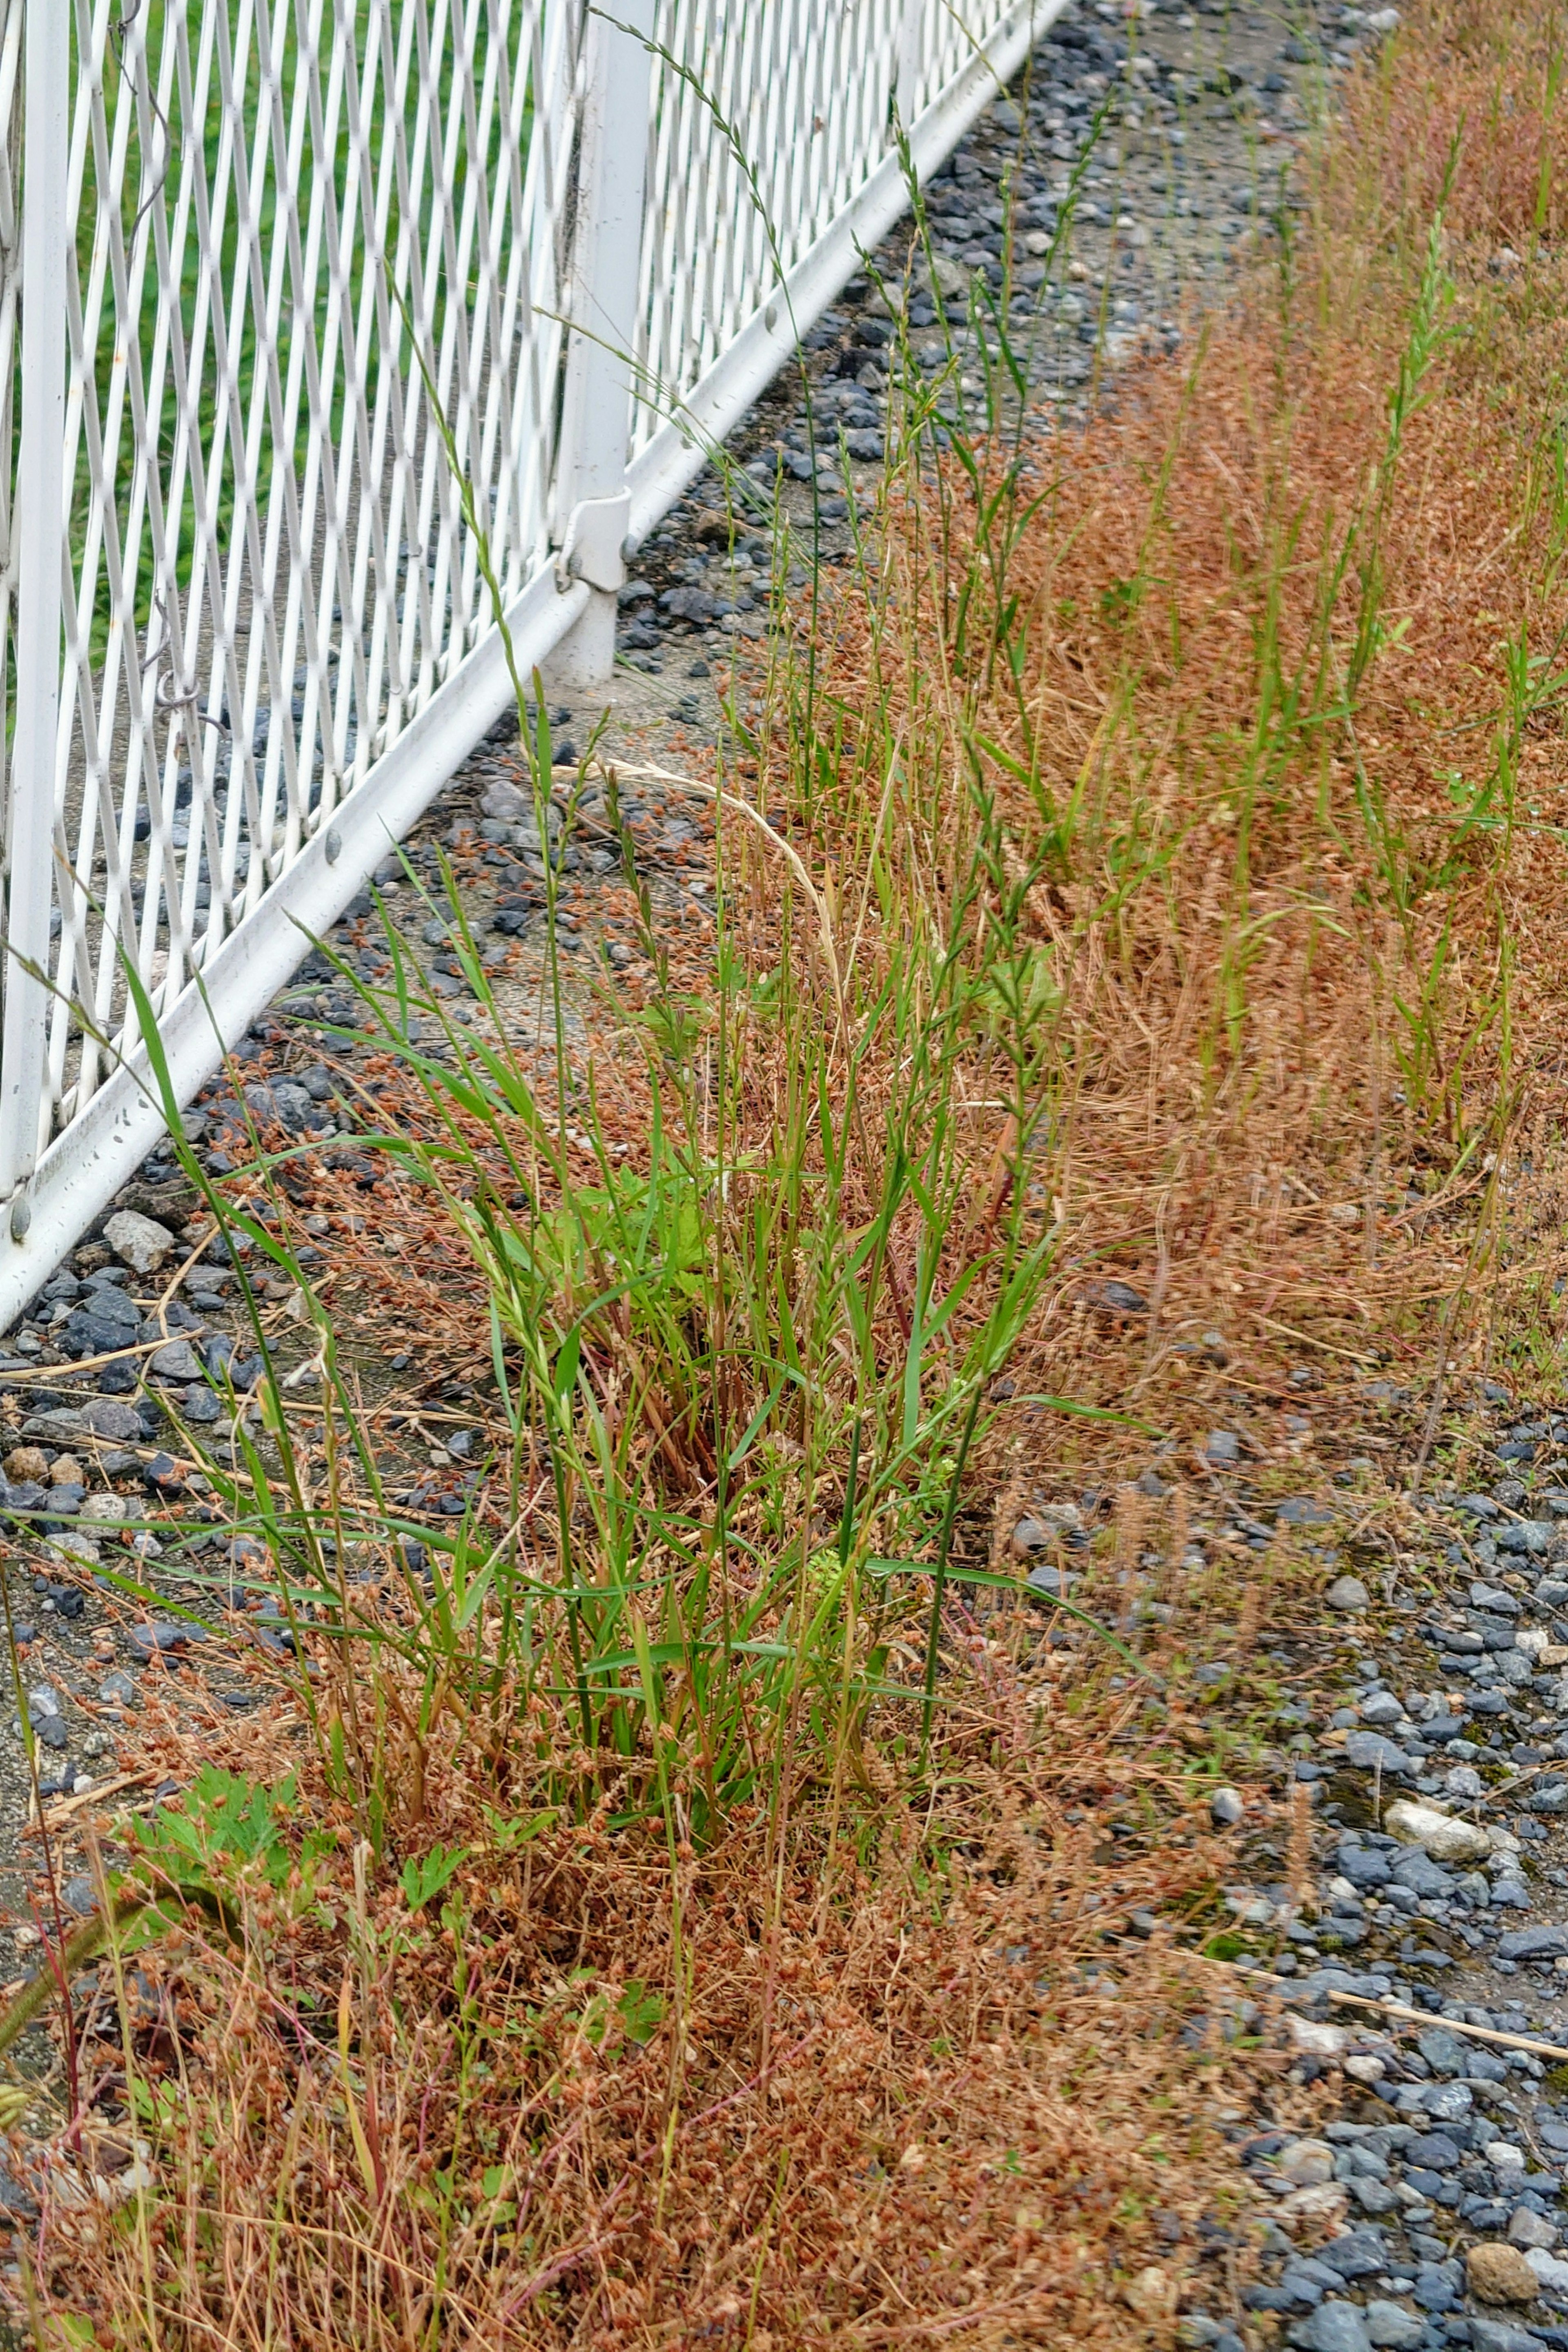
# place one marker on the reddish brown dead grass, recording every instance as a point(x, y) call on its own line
point(885, 2103)
point(904, 2114)
point(1237, 1135)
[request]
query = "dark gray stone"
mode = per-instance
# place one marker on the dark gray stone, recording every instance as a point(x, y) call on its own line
point(1422, 1875)
point(1355, 2254)
point(695, 603)
point(161, 1633)
point(280, 1103)
point(1433, 2151)
point(1369, 1751)
point(1438, 2286)
point(1333, 2328)
point(89, 1333)
point(1532, 1943)
point(1364, 1866)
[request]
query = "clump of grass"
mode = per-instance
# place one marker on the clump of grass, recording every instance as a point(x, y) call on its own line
point(1130, 969)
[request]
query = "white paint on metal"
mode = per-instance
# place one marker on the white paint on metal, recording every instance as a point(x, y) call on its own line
point(39, 509)
point(696, 422)
point(601, 351)
point(124, 1118)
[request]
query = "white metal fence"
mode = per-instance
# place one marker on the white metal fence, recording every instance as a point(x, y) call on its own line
point(253, 253)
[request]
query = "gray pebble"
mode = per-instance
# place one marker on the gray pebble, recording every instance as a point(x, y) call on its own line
point(177, 1363)
point(1348, 1593)
point(1369, 1751)
point(161, 1634)
point(1333, 2328)
point(1527, 2229)
point(1501, 2336)
point(1389, 2323)
point(1531, 1943)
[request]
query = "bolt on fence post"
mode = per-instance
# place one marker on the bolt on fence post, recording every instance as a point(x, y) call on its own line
point(593, 505)
point(39, 512)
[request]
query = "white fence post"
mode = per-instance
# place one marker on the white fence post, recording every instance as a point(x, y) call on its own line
point(39, 509)
point(906, 82)
point(593, 506)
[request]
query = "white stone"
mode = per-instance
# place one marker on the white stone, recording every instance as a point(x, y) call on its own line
point(1549, 2268)
point(1325, 2202)
point(1438, 1834)
point(1505, 2156)
point(1527, 2229)
point(1151, 2293)
point(112, 1507)
point(72, 1551)
point(1365, 2068)
point(141, 1241)
point(1306, 2161)
point(1319, 2041)
point(1251, 1910)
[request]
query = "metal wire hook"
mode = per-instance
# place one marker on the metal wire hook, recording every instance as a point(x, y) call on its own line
point(170, 691)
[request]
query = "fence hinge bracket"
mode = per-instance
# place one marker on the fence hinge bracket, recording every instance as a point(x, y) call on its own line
point(591, 549)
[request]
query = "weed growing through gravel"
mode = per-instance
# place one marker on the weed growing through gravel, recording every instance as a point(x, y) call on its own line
point(1131, 1001)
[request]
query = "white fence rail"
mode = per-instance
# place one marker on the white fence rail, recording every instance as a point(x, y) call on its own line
point(259, 259)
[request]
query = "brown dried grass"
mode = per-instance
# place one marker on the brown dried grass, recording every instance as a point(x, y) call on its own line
point(899, 2115)
point(860, 2115)
point(1236, 1134)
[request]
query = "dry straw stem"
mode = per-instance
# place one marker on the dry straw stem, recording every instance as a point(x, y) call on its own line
point(697, 789)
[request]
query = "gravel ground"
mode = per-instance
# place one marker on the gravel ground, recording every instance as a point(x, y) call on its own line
point(1202, 115)
point(1433, 1745)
